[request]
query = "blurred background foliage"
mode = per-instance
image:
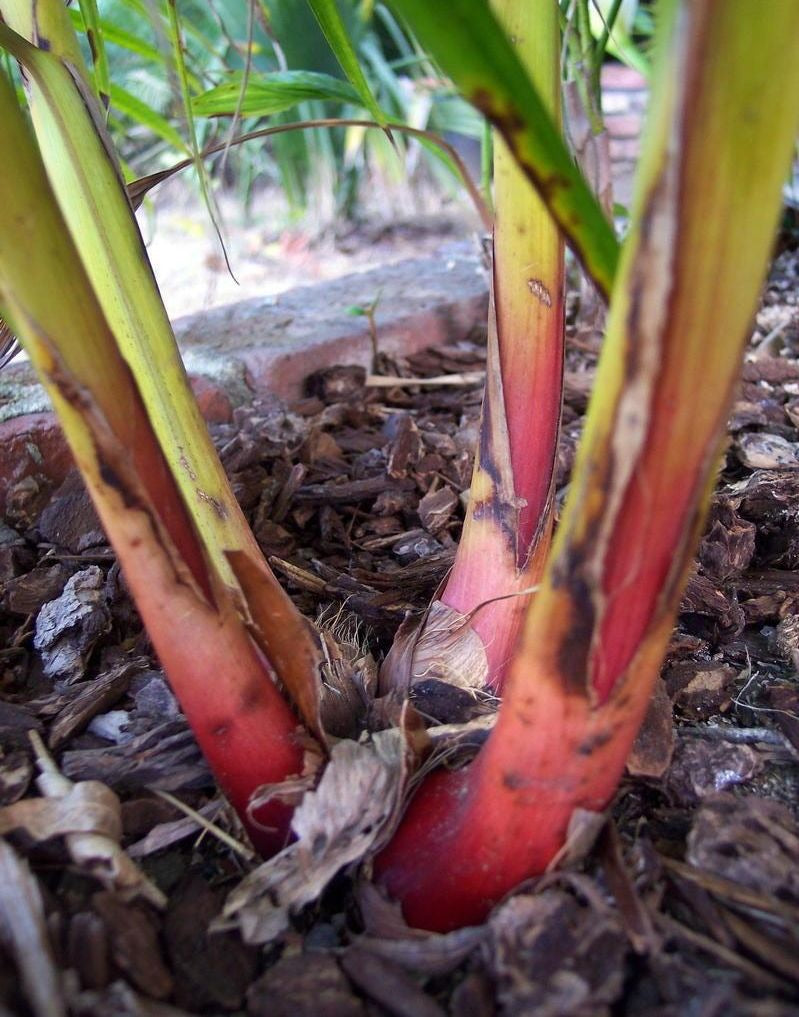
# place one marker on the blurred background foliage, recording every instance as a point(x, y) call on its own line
point(323, 171)
point(329, 173)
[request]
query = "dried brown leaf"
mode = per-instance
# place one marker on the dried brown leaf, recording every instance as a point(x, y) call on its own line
point(779, 954)
point(583, 830)
point(434, 954)
point(349, 674)
point(348, 816)
point(88, 816)
point(442, 645)
point(163, 835)
point(633, 912)
point(388, 985)
point(390, 936)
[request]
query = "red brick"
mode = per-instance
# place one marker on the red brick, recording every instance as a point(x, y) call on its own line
point(271, 345)
point(32, 444)
point(624, 79)
point(278, 342)
point(624, 149)
point(624, 125)
point(214, 403)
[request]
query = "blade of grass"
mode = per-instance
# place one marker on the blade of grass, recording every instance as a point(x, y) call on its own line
point(115, 35)
point(138, 188)
point(129, 105)
point(248, 55)
point(330, 21)
point(96, 40)
point(176, 39)
point(267, 94)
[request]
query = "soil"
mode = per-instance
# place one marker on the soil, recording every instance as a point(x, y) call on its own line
point(688, 902)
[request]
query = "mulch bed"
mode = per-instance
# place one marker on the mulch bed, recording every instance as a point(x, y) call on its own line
point(689, 901)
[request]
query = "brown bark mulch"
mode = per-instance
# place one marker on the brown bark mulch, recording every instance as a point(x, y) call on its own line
point(687, 904)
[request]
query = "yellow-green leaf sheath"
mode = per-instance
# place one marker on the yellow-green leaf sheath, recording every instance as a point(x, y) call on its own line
point(85, 178)
point(245, 728)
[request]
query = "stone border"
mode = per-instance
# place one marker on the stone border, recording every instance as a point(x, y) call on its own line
point(271, 345)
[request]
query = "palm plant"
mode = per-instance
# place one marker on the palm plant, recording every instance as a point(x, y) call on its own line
point(577, 651)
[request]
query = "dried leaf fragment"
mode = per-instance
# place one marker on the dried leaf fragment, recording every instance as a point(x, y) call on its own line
point(88, 816)
point(442, 645)
point(387, 984)
point(23, 932)
point(350, 813)
point(389, 935)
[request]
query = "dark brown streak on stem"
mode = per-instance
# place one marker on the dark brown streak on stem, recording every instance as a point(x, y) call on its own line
point(92, 44)
point(673, 584)
point(574, 651)
point(510, 124)
point(88, 99)
point(504, 513)
point(117, 470)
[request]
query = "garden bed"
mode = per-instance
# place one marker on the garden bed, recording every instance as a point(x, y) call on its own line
point(688, 901)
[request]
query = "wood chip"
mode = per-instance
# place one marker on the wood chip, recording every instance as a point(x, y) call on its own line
point(351, 491)
point(304, 985)
point(93, 698)
point(211, 971)
point(387, 984)
point(653, 748)
point(67, 628)
point(134, 944)
point(436, 509)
